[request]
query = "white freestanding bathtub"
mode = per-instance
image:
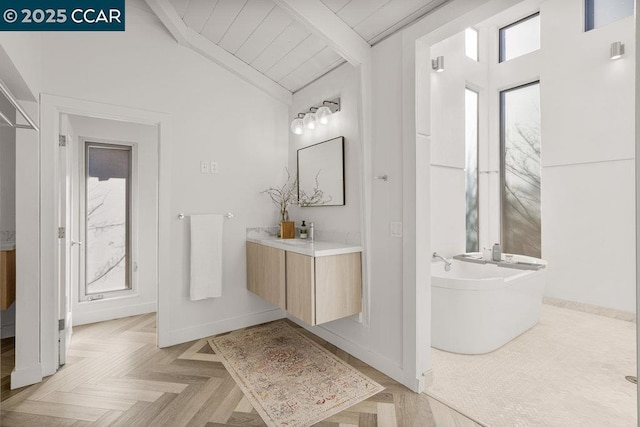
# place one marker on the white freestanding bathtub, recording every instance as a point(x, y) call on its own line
point(477, 308)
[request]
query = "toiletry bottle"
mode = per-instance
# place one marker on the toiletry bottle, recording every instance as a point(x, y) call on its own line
point(497, 252)
point(303, 231)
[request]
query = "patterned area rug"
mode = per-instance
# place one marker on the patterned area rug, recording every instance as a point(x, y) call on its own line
point(289, 379)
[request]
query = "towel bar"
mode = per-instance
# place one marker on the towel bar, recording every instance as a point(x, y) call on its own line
point(183, 216)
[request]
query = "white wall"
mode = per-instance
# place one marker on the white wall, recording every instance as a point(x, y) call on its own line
point(332, 221)
point(588, 156)
point(382, 338)
point(587, 148)
point(145, 68)
point(145, 251)
point(21, 66)
point(448, 145)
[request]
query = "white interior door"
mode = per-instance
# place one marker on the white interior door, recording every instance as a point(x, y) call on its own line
point(68, 254)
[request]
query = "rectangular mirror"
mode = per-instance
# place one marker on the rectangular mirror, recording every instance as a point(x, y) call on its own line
point(321, 174)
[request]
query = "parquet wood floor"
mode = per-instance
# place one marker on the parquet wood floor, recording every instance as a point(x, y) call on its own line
point(116, 376)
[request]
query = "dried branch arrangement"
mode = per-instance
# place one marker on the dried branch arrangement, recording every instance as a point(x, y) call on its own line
point(316, 198)
point(287, 195)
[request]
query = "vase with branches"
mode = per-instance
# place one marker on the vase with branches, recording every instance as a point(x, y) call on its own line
point(288, 194)
point(284, 196)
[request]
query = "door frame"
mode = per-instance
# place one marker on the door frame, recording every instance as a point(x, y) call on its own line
point(51, 106)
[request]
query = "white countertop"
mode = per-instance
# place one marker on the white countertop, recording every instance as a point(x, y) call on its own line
point(7, 246)
point(306, 247)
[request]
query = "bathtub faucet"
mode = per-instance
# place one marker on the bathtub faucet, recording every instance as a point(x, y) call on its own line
point(447, 263)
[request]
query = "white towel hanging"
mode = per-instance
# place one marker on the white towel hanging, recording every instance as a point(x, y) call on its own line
point(206, 256)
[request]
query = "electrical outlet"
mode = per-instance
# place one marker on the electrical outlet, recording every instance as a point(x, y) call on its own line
point(396, 229)
point(204, 167)
point(214, 167)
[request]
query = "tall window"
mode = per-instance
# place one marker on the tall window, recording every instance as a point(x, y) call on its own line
point(471, 43)
point(108, 207)
point(520, 146)
point(520, 38)
point(471, 168)
point(603, 12)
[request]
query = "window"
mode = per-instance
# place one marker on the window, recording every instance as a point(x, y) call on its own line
point(471, 121)
point(107, 219)
point(520, 38)
point(602, 12)
point(471, 43)
point(520, 169)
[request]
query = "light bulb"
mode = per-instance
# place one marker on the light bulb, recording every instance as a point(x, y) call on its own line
point(323, 115)
point(297, 126)
point(310, 121)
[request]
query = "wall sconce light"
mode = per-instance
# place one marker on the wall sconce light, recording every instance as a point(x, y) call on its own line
point(438, 64)
point(617, 50)
point(316, 114)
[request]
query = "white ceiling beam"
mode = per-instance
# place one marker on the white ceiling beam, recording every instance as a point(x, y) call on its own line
point(171, 20)
point(185, 36)
point(329, 27)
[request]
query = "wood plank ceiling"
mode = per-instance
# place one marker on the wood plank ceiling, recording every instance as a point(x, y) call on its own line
point(265, 36)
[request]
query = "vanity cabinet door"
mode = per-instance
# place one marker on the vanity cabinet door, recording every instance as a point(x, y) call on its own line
point(7, 278)
point(338, 287)
point(301, 287)
point(266, 273)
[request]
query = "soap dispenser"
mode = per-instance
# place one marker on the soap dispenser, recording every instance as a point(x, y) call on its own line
point(303, 231)
point(497, 252)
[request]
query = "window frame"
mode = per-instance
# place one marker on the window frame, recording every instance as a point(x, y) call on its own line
point(132, 216)
point(502, 136)
point(590, 16)
point(477, 58)
point(501, 36)
point(469, 87)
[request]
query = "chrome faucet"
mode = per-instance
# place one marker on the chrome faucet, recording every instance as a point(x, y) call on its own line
point(447, 263)
point(311, 230)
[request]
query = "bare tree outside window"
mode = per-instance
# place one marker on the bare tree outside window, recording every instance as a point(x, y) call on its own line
point(520, 135)
point(107, 218)
point(471, 170)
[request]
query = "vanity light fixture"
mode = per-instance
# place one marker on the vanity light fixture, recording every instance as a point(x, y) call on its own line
point(324, 113)
point(617, 50)
point(316, 114)
point(297, 125)
point(438, 64)
point(310, 120)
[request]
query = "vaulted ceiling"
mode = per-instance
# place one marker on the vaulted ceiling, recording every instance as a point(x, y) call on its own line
point(265, 36)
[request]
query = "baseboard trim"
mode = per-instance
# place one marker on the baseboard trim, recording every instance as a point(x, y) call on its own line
point(113, 313)
point(591, 308)
point(221, 326)
point(26, 376)
point(374, 360)
point(8, 331)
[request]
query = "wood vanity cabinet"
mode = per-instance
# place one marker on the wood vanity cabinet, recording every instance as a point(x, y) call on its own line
point(313, 289)
point(325, 288)
point(7, 278)
point(266, 273)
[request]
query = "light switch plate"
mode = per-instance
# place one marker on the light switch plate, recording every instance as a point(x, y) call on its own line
point(204, 167)
point(396, 229)
point(214, 167)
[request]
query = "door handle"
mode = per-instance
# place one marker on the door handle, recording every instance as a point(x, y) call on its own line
point(73, 242)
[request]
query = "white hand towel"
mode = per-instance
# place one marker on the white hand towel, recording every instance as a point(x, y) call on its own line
point(206, 256)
